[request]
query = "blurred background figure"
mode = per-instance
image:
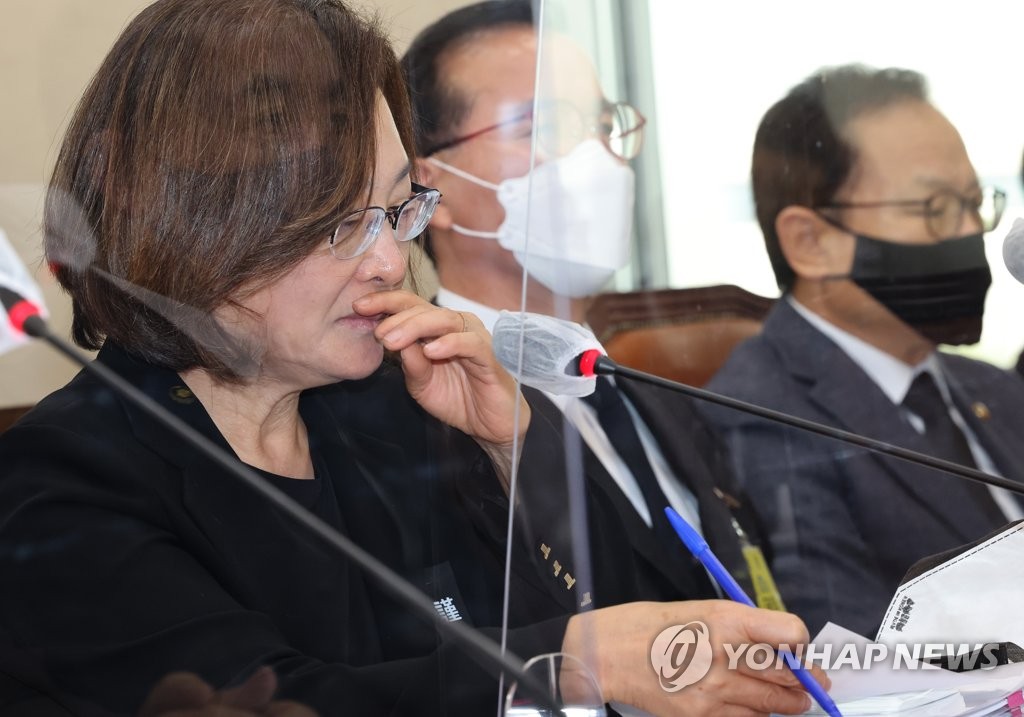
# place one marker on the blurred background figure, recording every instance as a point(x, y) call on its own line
point(565, 221)
point(472, 83)
point(873, 218)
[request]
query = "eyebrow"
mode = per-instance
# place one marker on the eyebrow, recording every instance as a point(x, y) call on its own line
point(935, 183)
point(402, 174)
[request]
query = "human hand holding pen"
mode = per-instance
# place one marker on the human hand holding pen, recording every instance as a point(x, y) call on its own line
point(700, 550)
point(615, 642)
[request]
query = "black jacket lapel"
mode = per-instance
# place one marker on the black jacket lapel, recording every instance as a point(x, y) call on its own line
point(692, 452)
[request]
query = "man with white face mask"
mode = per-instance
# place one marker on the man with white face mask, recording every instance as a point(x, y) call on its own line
point(567, 222)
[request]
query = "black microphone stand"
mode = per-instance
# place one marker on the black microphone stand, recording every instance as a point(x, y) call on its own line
point(490, 654)
point(606, 367)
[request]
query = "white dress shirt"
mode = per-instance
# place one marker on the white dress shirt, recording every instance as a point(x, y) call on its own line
point(584, 418)
point(894, 378)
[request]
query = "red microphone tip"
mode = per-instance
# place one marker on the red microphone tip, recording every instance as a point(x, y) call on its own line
point(22, 312)
point(587, 360)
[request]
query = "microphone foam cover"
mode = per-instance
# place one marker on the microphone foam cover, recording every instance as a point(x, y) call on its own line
point(550, 346)
point(1013, 250)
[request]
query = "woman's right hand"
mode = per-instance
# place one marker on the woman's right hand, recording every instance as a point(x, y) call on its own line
point(616, 643)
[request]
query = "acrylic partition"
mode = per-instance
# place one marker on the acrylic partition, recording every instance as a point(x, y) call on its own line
point(813, 224)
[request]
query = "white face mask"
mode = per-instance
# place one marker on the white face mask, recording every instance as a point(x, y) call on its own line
point(579, 219)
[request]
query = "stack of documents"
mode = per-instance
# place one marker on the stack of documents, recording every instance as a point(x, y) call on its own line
point(962, 602)
point(913, 688)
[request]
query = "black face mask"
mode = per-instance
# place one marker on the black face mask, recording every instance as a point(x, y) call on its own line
point(937, 289)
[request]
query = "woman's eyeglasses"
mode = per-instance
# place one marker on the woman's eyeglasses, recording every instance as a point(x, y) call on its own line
point(358, 230)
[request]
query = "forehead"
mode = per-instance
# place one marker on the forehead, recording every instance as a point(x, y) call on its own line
point(495, 71)
point(907, 148)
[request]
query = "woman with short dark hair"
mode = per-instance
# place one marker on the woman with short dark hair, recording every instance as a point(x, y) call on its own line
point(231, 213)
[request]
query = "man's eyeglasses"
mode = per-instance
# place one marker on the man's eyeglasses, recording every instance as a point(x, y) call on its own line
point(562, 126)
point(358, 230)
point(944, 211)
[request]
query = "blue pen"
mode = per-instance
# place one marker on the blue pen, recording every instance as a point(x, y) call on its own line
point(699, 547)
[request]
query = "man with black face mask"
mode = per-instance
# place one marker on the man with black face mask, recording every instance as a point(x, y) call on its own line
point(873, 219)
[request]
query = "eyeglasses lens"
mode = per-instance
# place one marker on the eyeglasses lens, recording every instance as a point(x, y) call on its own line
point(561, 126)
point(946, 211)
point(415, 215)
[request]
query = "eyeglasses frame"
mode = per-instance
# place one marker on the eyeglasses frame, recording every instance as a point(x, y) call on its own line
point(606, 105)
point(391, 215)
point(966, 204)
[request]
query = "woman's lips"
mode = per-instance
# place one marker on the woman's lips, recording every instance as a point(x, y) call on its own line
point(362, 323)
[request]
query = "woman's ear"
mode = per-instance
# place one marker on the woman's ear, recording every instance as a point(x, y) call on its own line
point(813, 248)
point(428, 175)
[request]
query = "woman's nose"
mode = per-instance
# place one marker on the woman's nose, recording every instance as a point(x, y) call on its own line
point(385, 260)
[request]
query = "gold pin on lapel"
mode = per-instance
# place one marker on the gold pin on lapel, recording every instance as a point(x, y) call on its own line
point(182, 394)
point(981, 411)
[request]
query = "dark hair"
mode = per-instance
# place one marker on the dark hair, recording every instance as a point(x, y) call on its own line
point(437, 108)
point(800, 154)
point(214, 149)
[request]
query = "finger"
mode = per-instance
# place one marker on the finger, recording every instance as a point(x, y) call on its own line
point(783, 678)
point(764, 662)
point(471, 347)
point(177, 691)
point(287, 708)
point(748, 692)
point(775, 628)
point(387, 302)
point(392, 326)
point(422, 325)
point(778, 673)
point(415, 366)
point(253, 694)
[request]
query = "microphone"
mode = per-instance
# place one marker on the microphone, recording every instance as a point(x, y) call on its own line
point(25, 317)
point(1013, 250)
point(16, 278)
point(546, 352)
point(592, 362)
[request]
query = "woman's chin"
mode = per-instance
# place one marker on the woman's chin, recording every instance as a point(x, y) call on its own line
point(359, 366)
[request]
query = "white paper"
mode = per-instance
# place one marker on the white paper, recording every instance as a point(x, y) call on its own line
point(915, 689)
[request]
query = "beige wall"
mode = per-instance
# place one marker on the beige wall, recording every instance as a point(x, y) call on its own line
point(48, 51)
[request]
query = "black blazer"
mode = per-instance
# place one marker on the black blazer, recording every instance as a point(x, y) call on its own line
point(846, 524)
point(126, 555)
point(627, 562)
